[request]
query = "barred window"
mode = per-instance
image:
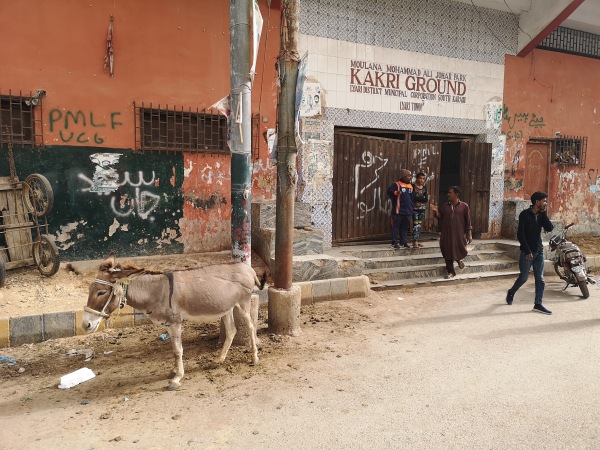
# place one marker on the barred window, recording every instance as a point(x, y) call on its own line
point(569, 151)
point(17, 120)
point(163, 129)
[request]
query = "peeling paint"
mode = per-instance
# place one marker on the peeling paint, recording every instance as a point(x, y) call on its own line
point(113, 228)
point(212, 202)
point(173, 179)
point(188, 170)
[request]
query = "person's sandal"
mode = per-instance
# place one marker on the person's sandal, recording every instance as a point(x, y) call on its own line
point(461, 264)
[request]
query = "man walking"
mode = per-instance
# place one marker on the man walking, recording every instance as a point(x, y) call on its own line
point(531, 222)
point(455, 216)
point(401, 195)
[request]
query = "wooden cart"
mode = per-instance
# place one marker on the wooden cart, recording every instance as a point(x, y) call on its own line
point(24, 239)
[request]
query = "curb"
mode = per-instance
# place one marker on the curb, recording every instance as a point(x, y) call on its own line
point(33, 329)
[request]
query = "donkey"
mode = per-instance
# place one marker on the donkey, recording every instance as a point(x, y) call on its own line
point(203, 294)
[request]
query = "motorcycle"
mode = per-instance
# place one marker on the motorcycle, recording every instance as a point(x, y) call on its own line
point(569, 262)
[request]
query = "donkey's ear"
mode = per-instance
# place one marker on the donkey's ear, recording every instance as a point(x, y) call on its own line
point(109, 263)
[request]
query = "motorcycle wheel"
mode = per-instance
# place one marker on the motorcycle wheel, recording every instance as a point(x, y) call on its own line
point(584, 289)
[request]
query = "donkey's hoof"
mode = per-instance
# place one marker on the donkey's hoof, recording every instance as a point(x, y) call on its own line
point(254, 361)
point(214, 364)
point(174, 385)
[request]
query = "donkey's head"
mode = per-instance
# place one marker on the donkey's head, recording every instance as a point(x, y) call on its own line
point(106, 292)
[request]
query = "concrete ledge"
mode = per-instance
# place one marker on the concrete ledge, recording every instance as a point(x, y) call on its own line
point(333, 289)
point(16, 331)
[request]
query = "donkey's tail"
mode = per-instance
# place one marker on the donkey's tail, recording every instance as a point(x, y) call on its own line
point(261, 283)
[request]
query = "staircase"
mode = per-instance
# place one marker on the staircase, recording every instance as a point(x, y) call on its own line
point(390, 269)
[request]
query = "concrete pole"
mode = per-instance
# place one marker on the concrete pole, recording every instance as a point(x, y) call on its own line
point(240, 126)
point(240, 32)
point(284, 299)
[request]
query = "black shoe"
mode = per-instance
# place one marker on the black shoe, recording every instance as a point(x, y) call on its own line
point(405, 246)
point(509, 298)
point(541, 309)
point(395, 246)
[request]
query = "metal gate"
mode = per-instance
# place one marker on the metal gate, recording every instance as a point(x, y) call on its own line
point(426, 156)
point(475, 177)
point(364, 167)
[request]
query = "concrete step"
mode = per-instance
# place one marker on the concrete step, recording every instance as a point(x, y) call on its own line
point(439, 270)
point(439, 281)
point(427, 259)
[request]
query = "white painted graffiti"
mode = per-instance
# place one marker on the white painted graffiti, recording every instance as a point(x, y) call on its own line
point(421, 155)
point(106, 180)
point(143, 203)
point(377, 163)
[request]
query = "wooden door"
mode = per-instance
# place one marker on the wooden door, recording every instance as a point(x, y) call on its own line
point(475, 178)
point(364, 167)
point(536, 169)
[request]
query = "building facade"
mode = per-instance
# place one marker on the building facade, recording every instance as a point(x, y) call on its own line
point(111, 102)
point(412, 84)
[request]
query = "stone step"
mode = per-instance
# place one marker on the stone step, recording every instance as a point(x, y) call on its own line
point(438, 270)
point(427, 259)
point(384, 250)
point(438, 281)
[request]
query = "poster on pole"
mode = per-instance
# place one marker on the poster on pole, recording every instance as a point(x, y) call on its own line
point(302, 68)
point(257, 24)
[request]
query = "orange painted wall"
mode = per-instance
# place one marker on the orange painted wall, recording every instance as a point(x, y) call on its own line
point(172, 52)
point(545, 93)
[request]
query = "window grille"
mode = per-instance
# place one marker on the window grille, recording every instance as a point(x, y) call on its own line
point(574, 42)
point(569, 151)
point(20, 119)
point(164, 129)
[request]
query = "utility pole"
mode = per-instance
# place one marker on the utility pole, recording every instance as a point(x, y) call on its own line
point(284, 298)
point(240, 126)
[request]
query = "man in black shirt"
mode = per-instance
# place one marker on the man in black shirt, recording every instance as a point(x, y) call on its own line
point(531, 222)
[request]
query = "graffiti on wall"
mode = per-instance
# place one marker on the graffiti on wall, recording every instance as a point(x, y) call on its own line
point(315, 164)
point(519, 120)
point(421, 157)
point(366, 180)
point(105, 181)
point(493, 115)
point(81, 127)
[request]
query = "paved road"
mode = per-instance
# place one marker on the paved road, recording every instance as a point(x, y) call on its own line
point(450, 367)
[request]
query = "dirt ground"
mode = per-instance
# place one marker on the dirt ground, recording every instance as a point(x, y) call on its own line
point(451, 367)
point(27, 292)
point(417, 368)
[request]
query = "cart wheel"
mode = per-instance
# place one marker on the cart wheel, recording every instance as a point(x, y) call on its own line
point(39, 197)
point(2, 272)
point(45, 256)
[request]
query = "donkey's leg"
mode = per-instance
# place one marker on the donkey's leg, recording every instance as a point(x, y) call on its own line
point(251, 329)
point(230, 331)
point(175, 334)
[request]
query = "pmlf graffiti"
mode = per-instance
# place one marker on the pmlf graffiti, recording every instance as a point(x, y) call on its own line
point(421, 155)
point(106, 181)
point(371, 178)
point(80, 119)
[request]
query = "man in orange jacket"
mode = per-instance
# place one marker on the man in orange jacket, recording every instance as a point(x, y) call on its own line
point(401, 195)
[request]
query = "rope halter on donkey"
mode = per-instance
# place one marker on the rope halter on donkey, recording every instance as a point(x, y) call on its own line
point(119, 289)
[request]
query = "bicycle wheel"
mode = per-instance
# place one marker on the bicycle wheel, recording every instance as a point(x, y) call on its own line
point(38, 194)
point(45, 256)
